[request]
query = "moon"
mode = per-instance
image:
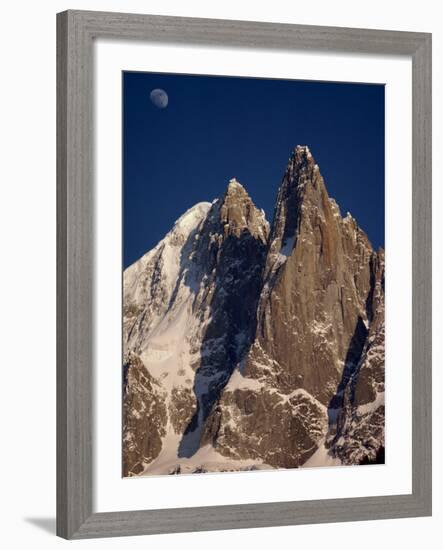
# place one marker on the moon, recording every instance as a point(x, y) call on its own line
point(159, 98)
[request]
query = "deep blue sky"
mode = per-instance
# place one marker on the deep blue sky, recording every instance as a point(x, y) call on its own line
point(216, 128)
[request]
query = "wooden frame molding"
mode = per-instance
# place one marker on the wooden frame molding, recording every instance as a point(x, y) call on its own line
point(76, 31)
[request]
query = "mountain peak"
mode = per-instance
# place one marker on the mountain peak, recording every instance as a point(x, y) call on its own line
point(301, 187)
point(302, 151)
point(193, 215)
point(300, 162)
point(235, 188)
point(233, 182)
point(238, 212)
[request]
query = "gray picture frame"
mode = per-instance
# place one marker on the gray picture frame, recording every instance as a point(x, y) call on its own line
point(76, 32)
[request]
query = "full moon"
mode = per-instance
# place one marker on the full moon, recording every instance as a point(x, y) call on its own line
point(159, 98)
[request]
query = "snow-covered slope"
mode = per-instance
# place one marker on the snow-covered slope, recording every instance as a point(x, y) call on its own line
point(249, 346)
point(149, 283)
point(158, 320)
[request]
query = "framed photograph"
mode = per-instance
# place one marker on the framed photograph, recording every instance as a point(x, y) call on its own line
point(244, 274)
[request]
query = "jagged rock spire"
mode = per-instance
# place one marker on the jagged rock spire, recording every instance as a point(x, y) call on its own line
point(238, 213)
point(302, 181)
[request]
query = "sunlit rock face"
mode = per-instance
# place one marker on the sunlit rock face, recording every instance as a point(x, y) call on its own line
point(255, 346)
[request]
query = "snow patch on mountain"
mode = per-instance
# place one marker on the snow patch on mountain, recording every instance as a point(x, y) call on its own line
point(206, 459)
point(240, 382)
point(321, 457)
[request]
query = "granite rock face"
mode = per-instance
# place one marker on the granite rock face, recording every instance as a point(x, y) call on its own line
point(264, 345)
point(143, 405)
point(361, 415)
